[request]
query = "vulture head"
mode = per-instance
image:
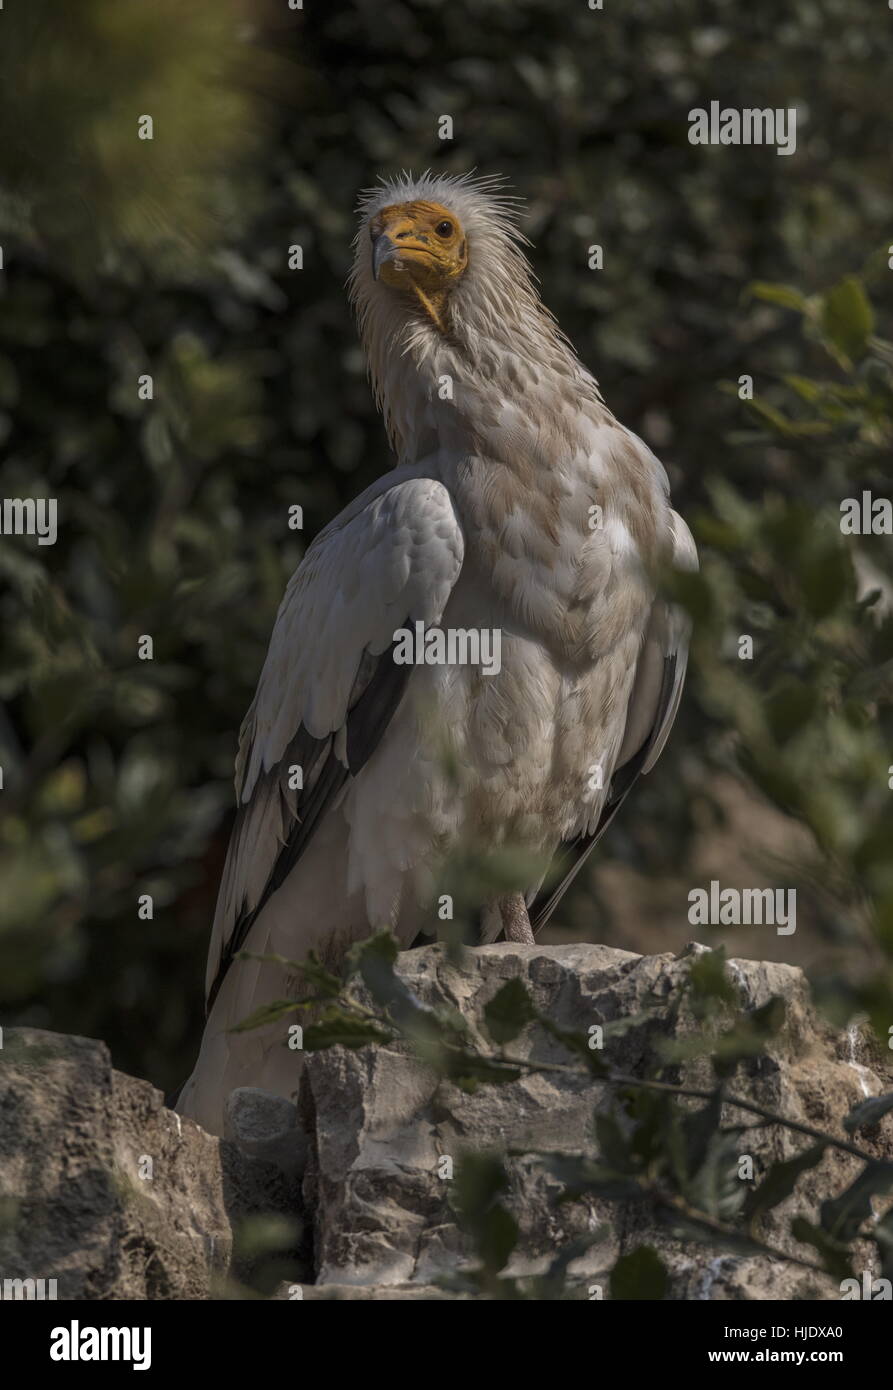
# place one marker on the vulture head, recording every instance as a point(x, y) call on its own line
point(443, 234)
point(418, 244)
point(442, 287)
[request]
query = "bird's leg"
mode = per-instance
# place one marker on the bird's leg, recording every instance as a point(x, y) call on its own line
point(515, 921)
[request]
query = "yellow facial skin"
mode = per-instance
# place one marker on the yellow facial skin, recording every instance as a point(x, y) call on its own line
point(419, 248)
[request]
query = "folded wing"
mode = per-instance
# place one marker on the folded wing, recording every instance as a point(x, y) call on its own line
point(329, 686)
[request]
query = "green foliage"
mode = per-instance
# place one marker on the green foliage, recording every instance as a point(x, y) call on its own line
point(84, 183)
point(268, 1013)
point(813, 708)
point(639, 1275)
point(834, 1254)
point(336, 1027)
point(265, 1254)
point(479, 1183)
point(508, 1012)
point(781, 1180)
point(868, 1112)
point(844, 1216)
point(847, 320)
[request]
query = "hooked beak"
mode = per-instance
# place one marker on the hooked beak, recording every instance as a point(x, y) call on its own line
point(383, 249)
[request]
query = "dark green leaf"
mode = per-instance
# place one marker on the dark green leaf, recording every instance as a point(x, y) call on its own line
point(497, 1236)
point(480, 1180)
point(785, 295)
point(510, 1009)
point(325, 984)
point(868, 1112)
point(580, 1175)
point(374, 960)
point(613, 1144)
point(842, 1216)
point(267, 1013)
point(781, 1179)
point(846, 318)
point(709, 977)
point(699, 1127)
point(467, 1070)
point(551, 1284)
point(338, 1028)
point(641, 1274)
point(835, 1256)
point(715, 1187)
point(578, 1044)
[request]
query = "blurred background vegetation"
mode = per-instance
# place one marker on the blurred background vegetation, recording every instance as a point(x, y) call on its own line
point(170, 257)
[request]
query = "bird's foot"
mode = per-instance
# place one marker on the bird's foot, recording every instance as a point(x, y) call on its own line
point(515, 921)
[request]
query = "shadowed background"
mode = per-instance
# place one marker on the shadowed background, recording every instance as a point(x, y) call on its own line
point(170, 257)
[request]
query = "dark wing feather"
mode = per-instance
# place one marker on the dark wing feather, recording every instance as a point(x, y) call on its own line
point(621, 785)
point(366, 722)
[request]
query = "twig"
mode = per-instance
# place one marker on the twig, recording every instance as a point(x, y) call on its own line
point(697, 1093)
point(742, 1104)
point(679, 1205)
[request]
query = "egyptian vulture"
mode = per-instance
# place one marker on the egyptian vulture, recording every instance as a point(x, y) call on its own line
point(519, 508)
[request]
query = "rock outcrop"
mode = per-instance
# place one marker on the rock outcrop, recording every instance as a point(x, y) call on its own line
point(382, 1123)
point(114, 1196)
point(75, 1135)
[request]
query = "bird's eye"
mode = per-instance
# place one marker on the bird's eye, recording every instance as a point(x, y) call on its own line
point(444, 229)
